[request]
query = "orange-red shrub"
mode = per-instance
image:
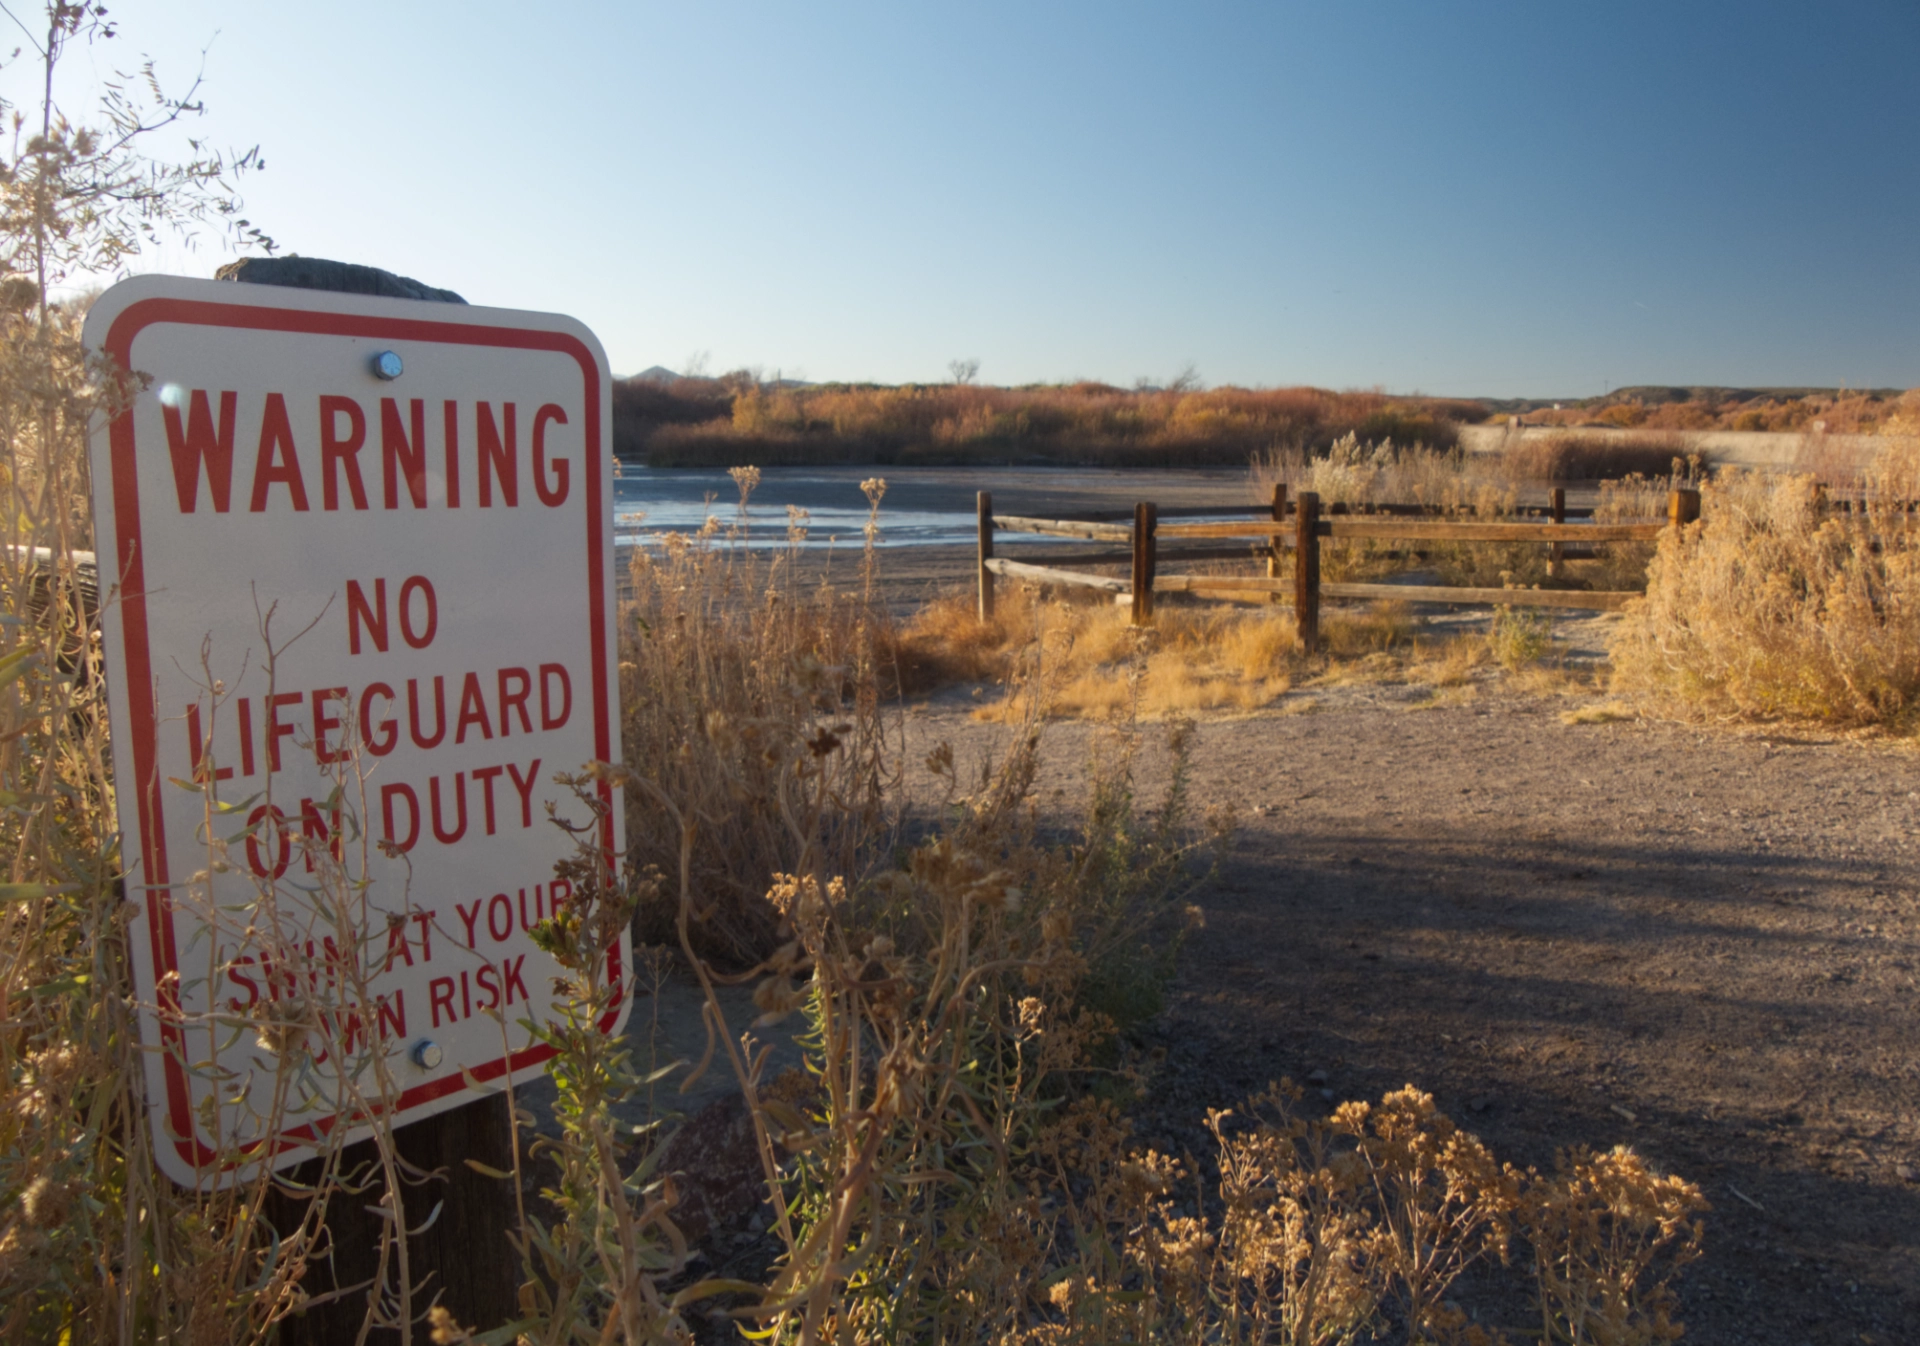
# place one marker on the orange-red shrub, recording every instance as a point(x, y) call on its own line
point(716, 421)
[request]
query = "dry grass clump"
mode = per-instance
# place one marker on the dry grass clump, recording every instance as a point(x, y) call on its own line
point(730, 658)
point(1604, 712)
point(1517, 637)
point(1773, 606)
point(1571, 455)
point(1071, 658)
point(1451, 663)
point(1074, 657)
point(945, 643)
point(1359, 633)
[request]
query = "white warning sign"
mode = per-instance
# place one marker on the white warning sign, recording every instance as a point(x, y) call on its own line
point(356, 567)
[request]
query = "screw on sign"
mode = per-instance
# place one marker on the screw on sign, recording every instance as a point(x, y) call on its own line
point(362, 616)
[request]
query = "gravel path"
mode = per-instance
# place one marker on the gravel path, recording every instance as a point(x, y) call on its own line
point(1699, 943)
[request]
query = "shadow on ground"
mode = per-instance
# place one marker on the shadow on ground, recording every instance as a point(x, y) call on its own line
point(1738, 1018)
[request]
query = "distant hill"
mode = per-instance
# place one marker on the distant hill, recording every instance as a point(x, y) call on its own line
point(653, 374)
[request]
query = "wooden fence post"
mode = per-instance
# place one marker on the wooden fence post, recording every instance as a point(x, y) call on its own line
point(986, 554)
point(1683, 506)
point(1306, 570)
point(1557, 508)
point(1145, 520)
point(1277, 549)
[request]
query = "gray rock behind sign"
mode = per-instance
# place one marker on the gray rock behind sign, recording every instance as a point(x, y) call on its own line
point(316, 273)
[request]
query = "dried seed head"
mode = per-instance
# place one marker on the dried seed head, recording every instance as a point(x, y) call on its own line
point(1032, 1012)
point(46, 1203)
point(777, 996)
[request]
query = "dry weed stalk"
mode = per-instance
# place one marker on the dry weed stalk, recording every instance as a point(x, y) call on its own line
point(94, 1243)
point(595, 1273)
point(948, 1000)
point(1608, 1237)
point(1348, 1229)
point(732, 660)
point(983, 974)
point(1442, 1202)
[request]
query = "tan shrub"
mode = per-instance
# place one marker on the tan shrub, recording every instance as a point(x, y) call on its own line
point(1775, 606)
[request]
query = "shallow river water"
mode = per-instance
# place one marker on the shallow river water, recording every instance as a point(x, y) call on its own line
point(923, 506)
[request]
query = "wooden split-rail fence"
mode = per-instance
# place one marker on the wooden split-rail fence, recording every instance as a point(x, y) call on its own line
point(1300, 525)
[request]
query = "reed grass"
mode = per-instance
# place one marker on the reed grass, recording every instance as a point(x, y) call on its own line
point(1487, 487)
point(1061, 656)
point(1574, 456)
point(1359, 471)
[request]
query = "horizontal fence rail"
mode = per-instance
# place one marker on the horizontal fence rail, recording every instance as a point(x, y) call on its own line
point(1043, 556)
point(1387, 530)
point(1020, 570)
point(1298, 526)
point(1436, 530)
point(1099, 532)
point(1326, 511)
point(1596, 599)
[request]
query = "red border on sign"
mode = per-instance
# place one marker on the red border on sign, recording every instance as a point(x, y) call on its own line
point(145, 724)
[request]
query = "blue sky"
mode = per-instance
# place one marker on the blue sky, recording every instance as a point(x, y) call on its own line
point(1467, 198)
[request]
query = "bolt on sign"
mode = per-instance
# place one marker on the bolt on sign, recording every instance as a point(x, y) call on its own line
point(361, 614)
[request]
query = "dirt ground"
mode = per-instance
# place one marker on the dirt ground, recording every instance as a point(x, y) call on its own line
point(1704, 944)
